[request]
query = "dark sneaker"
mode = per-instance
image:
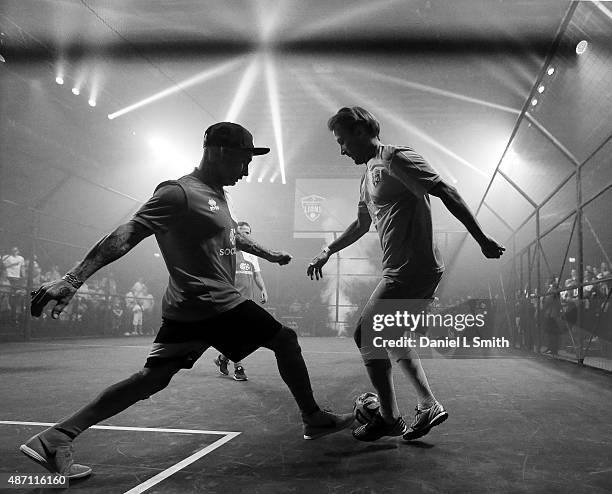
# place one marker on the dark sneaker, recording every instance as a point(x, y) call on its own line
point(239, 374)
point(57, 458)
point(424, 420)
point(324, 422)
point(377, 428)
point(221, 362)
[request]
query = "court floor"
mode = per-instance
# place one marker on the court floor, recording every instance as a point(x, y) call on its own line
point(516, 424)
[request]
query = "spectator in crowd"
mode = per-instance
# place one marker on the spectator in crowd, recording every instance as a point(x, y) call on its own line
point(109, 284)
point(116, 315)
point(148, 304)
point(137, 318)
point(5, 295)
point(604, 287)
point(138, 287)
point(36, 271)
point(551, 313)
point(130, 300)
point(14, 265)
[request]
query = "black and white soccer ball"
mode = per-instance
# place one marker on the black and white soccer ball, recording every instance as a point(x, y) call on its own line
point(366, 406)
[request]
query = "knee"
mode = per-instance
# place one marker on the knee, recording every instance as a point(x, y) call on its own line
point(381, 364)
point(284, 341)
point(151, 381)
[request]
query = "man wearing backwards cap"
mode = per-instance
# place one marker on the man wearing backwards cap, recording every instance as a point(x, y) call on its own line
point(201, 307)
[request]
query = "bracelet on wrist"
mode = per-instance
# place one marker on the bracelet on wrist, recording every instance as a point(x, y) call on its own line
point(72, 280)
point(326, 250)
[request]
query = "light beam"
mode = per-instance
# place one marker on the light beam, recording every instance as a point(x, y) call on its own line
point(201, 77)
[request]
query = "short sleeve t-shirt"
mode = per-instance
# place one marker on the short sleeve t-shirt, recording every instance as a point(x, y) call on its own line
point(246, 267)
point(197, 238)
point(394, 191)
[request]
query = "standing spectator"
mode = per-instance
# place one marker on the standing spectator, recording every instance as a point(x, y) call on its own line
point(137, 318)
point(36, 271)
point(5, 295)
point(148, 304)
point(110, 284)
point(14, 263)
point(116, 316)
point(604, 287)
point(551, 313)
point(138, 287)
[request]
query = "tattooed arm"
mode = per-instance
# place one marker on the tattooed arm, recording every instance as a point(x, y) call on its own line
point(246, 244)
point(108, 249)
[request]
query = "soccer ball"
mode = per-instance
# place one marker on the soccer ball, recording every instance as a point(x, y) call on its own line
point(365, 407)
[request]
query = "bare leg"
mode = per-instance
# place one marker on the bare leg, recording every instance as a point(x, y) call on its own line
point(118, 397)
point(411, 367)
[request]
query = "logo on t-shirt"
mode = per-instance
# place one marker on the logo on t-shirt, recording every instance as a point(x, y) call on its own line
point(245, 266)
point(213, 205)
point(376, 175)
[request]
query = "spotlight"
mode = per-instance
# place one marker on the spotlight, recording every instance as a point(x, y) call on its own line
point(541, 88)
point(272, 179)
point(92, 102)
point(260, 179)
point(76, 90)
point(534, 101)
point(156, 254)
point(581, 47)
point(550, 71)
point(59, 79)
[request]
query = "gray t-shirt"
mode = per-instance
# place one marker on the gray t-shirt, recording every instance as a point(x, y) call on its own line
point(196, 235)
point(394, 191)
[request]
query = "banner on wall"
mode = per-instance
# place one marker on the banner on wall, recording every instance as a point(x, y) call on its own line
point(324, 205)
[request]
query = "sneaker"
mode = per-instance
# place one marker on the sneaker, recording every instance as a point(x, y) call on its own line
point(324, 422)
point(239, 374)
point(55, 458)
point(221, 362)
point(377, 428)
point(424, 420)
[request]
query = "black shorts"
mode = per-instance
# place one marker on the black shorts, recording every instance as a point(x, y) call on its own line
point(417, 292)
point(235, 333)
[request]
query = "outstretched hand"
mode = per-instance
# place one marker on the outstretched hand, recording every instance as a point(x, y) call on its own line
point(315, 267)
point(59, 290)
point(281, 258)
point(491, 249)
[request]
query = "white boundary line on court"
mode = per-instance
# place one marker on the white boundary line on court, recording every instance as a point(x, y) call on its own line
point(227, 436)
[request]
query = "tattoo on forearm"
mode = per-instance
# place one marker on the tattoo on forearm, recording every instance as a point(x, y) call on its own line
point(109, 249)
point(249, 245)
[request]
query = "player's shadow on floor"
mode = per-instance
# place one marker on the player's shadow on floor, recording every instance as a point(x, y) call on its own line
point(369, 449)
point(417, 444)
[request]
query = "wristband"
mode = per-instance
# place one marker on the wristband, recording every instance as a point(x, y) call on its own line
point(326, 250)
point(72, 280)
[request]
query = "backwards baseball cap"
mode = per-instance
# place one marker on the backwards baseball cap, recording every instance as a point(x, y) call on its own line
point(231, 135)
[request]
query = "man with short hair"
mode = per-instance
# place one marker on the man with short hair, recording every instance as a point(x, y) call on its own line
point(201, 307)
point(248, 275)
point(394, 194)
